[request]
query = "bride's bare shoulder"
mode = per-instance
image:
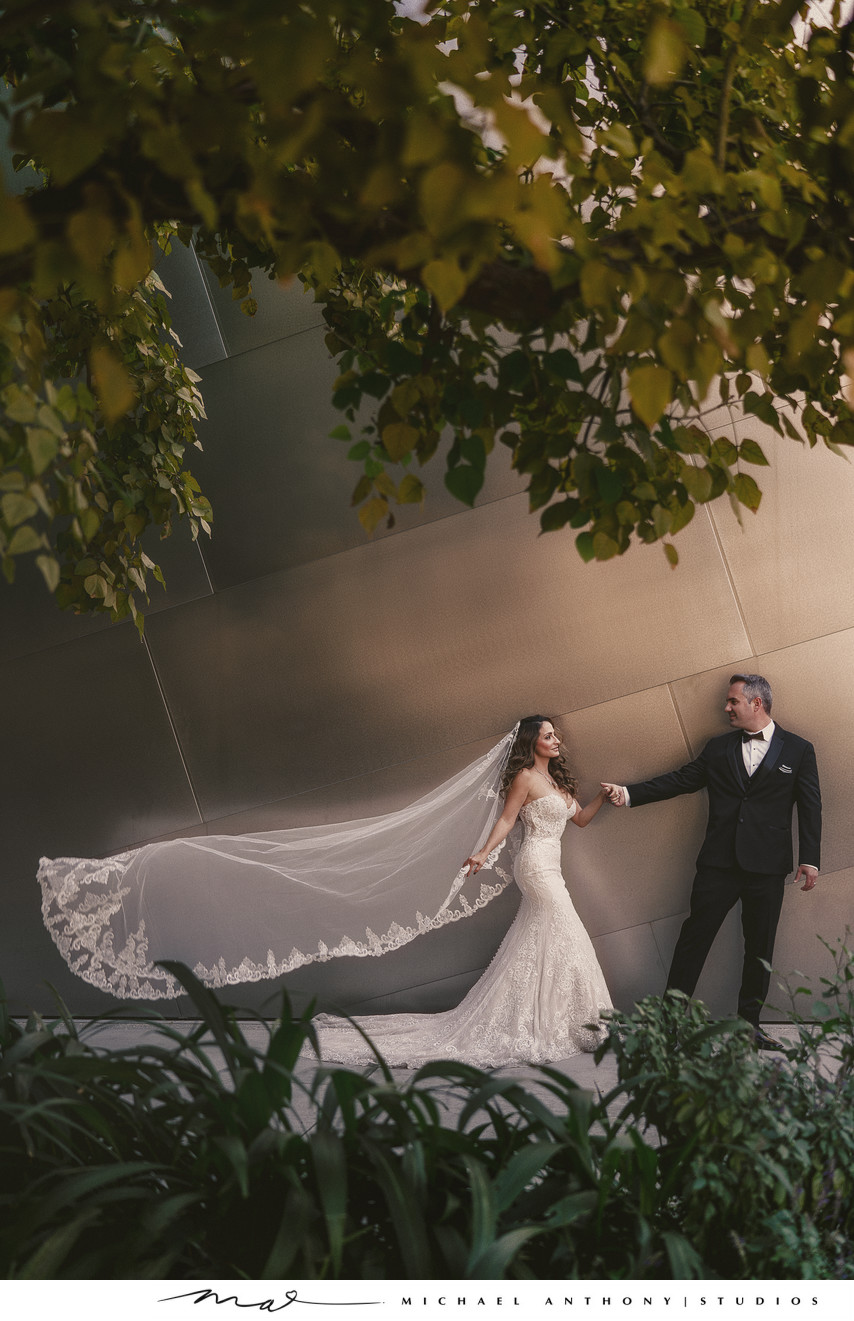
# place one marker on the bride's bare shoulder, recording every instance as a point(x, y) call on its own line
point(523, 786)
point(521, 781)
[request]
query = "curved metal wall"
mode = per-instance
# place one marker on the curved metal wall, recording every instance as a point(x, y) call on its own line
point(413, 652)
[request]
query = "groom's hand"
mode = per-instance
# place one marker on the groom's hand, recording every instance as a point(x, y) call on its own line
point(809, 874)
point(614, 792)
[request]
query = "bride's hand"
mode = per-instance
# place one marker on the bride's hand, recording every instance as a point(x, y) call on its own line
point(475, 862)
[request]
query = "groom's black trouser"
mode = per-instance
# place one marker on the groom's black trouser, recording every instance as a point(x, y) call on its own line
point(716, 890)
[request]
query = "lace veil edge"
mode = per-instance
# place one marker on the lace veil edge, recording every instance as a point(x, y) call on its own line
point(100, 915)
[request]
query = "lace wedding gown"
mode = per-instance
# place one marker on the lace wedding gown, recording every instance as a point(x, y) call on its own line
point(539, 1000)
point(247, 908)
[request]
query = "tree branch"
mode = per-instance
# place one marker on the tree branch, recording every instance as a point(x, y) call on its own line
point(726, 90)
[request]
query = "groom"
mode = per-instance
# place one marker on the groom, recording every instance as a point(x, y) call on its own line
point(754, 775)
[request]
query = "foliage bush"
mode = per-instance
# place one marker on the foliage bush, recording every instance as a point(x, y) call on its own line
point(707, 1159)
point(569, 229)
point(757, 1150)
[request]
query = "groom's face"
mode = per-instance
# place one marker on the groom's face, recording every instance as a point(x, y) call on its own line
point(742, 714)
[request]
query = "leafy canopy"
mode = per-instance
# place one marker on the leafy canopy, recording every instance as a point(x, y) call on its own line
point(579, 228)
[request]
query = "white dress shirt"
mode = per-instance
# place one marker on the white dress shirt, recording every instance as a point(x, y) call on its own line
point(753, 750)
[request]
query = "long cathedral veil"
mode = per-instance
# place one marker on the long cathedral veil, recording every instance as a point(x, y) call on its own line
point(246, 907)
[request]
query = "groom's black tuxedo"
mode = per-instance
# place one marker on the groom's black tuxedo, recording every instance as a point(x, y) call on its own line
point(747, 851)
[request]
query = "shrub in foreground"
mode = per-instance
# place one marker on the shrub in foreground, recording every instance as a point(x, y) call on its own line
point(201, 1156)
point(756, 1151)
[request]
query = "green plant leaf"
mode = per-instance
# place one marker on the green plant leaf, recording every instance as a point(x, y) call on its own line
point(746, 491)
point(464, 482)
point(373, 513)
point(399, 440)
point(651, 391)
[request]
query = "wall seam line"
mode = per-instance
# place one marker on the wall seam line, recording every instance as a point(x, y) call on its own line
point(672, 695)
point(210, 302)
point(264, 344)
point(173, 728)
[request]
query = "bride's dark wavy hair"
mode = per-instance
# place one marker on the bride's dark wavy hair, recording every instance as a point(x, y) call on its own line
point(522, 756)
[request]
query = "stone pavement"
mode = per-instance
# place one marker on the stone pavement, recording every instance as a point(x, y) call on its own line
point(117, 1034)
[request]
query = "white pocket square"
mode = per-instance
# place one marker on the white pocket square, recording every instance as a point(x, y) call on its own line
point(787, 770)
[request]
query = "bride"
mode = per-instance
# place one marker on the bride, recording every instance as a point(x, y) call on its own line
point(361, 888)
point(542, 996)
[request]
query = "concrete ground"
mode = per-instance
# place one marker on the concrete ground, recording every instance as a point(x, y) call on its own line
point(581, 1069)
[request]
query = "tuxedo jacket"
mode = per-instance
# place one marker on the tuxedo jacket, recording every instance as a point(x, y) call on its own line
point(750, 817)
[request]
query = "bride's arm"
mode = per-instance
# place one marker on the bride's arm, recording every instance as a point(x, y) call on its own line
point(586, 814)
point(516, 795)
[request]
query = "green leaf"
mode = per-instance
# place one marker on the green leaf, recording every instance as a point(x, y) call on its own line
point(661, 520)
point(571, 1208)
point(609, 484)
point(619, 137)
point(24, 539)
point(664, 52)
point(464, 482)
point(48, 1260)
point(16, 508)
point(386, 485)
point(363, 488)
point(19, 405)
point(43, 446)
point(411, 490)
point(399, 439)
point(65, 141)
point(330, 1167)
point(373, 513)
point(762, 406)
point(556, 516)
point(697, 482)
point(446, 280)
point(584, 546)
point(681, 515)
point(693, 25)
point(498, 1256)
point(651, 390)
point(113, 385)
point(746, 491)
point(604, 547)
point(514, 370)
point(564, 364)
point(751, 453)
point(685, 1263)
point(724, 451)
point(600, 284)
point(90, 521)
point(49, 567)
point(484, 1212)
point(520, 1170)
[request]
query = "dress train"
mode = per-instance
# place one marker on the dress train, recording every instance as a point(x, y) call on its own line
point(541, 999)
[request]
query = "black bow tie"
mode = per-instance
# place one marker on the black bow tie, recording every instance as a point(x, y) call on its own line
point(746, 736)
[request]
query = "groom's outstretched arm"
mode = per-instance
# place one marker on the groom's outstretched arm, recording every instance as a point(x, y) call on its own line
point(687, 780)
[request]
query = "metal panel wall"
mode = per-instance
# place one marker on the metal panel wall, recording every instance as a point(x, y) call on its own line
point(411, 653)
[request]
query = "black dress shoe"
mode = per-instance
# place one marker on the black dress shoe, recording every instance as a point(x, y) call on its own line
point(762, 1041)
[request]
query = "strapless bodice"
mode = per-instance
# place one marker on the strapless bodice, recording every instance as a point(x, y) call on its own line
point(546, 817)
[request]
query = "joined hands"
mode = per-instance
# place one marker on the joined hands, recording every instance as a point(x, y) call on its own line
point(615, 793)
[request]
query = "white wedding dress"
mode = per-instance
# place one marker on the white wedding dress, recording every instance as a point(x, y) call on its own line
point(541, 998)
point(247, 908)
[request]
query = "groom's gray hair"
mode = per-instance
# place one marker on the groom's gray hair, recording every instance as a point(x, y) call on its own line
point(755, 685)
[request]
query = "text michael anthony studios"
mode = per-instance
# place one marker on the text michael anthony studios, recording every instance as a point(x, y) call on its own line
point(428, 1300)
